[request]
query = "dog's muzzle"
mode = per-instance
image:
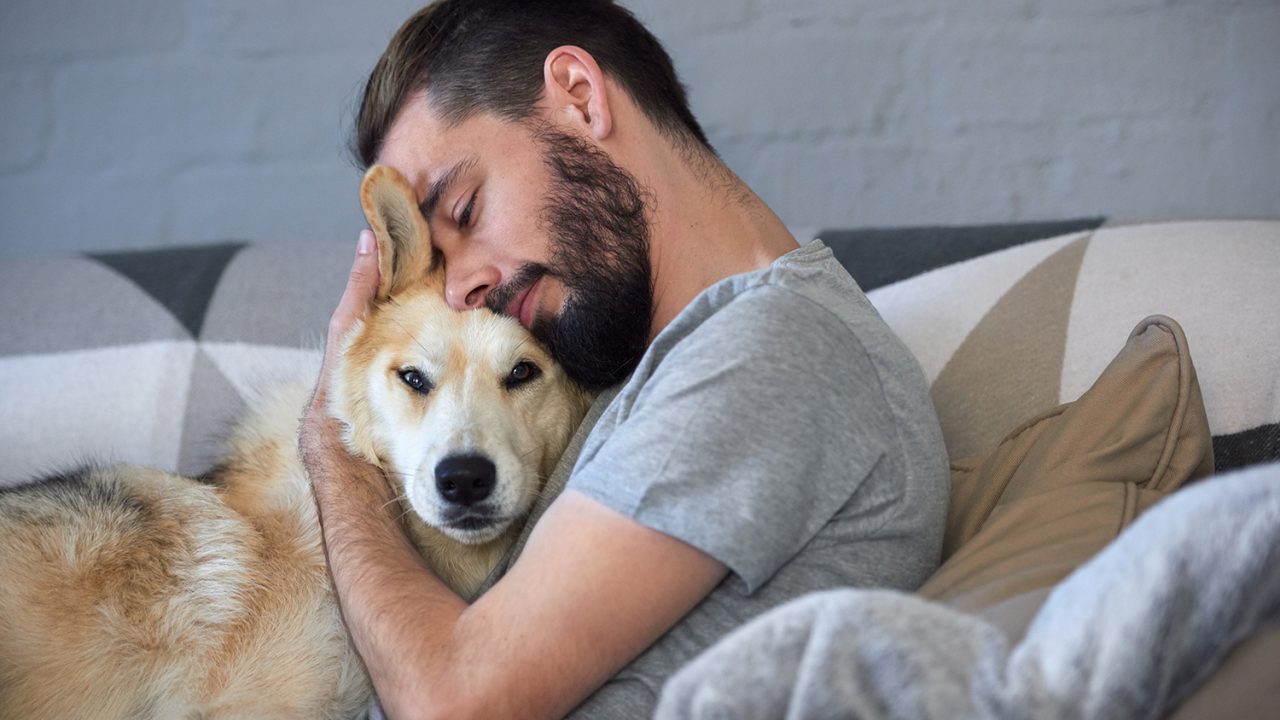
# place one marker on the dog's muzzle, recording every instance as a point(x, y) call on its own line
point(465, 479)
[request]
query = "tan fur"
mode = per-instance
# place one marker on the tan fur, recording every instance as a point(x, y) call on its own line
point(127, 592)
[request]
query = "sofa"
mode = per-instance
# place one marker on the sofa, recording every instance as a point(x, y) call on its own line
point(1083, 370)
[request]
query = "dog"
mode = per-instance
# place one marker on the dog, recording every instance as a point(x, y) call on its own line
point(128, 592)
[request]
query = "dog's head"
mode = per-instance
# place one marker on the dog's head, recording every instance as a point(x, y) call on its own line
point(465, 411)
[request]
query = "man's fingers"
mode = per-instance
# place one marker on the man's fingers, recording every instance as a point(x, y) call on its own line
point(362, 285)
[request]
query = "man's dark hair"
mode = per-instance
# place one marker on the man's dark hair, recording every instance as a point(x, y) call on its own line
point(487, 56)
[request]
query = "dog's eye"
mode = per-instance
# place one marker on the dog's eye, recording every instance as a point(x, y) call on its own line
point(416, 380)
point(523, 372)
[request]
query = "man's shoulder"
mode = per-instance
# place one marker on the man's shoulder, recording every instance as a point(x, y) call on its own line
point(768, 340)
point(778, 311)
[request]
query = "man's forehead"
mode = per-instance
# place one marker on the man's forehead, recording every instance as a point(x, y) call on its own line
point(425, 148)
point(416, 144)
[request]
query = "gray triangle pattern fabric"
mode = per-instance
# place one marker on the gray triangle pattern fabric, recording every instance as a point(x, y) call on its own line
point(280, 294)
point(68, 304)
point(182, 279)
point(881, 256)
point(213, 407)
point(1258, 445)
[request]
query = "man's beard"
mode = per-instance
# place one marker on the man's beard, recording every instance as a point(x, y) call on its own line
point(596, 214)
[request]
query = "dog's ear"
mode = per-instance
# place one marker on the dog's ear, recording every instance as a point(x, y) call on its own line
point(405, 255)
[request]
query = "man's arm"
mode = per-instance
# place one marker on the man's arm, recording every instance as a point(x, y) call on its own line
point(591, 590)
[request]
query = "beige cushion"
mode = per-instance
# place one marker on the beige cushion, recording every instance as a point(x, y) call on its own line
point(1064, 484)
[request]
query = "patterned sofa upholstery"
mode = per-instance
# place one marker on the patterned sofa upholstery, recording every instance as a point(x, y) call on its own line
point(1009, 320)
point(148, 356)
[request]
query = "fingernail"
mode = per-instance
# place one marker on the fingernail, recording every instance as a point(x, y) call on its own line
point(365, 246)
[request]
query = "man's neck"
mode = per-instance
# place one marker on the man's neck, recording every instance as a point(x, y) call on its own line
point(707, 226)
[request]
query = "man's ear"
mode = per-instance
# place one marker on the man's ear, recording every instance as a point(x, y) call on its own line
point(405, 255)
point(574, 87)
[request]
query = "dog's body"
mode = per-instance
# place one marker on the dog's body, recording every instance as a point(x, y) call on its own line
point(132, 593)
point(127, 592)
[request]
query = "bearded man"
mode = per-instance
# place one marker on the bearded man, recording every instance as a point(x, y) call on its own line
point(761, 433)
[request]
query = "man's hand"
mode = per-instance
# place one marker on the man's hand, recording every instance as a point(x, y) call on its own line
point(352, 497)
point(323, 454)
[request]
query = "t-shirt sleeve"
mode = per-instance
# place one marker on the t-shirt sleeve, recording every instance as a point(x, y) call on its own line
point(749, 435)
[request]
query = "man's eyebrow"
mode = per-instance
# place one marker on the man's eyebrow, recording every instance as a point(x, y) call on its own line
point(441, 186)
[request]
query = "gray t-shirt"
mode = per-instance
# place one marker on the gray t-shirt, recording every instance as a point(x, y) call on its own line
point(778, 425)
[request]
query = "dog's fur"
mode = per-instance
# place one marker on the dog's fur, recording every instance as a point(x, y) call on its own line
point(127, 592)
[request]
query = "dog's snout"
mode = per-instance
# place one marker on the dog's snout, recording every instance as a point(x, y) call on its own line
point(465, 479)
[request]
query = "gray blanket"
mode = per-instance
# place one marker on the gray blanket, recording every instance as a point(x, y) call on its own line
point(1130, 634)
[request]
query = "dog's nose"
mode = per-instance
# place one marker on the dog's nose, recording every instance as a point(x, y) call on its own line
point(465, 479)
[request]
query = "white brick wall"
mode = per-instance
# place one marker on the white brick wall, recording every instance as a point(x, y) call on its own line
point(154, 122)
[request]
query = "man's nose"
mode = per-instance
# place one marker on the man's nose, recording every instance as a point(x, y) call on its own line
point(467, 288)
